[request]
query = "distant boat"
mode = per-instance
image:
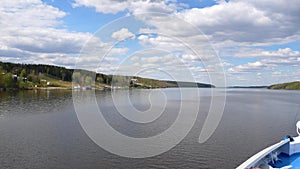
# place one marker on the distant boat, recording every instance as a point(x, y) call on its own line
point(282, 155)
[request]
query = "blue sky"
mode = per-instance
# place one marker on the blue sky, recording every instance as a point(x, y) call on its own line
point(247, 42)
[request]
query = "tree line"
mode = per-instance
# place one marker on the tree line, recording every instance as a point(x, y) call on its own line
point(24, 76)
point(14, 75)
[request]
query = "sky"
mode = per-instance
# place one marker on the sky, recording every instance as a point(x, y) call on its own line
point(233, 42)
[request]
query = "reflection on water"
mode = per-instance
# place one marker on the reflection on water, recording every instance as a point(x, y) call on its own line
point(39, 129)
point(32, 102)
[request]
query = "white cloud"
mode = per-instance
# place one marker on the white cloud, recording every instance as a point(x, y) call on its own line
point(190, 57)
point(249, 67)
point(123, 34)
point(136, 6)
point(188, 45)
point(242, 23)
point(159, 6)
point(134, 58)
point(254, 52)
point(104, 6)
point(118, 51)
point(265, 65)
point(29, 32)
point(29, 13)
point(95, 53)
point(32, 32)
point(226, 63)
point(44, 40)
point(230, 24)
point(276, 73)
point(247, 22)
point(163, 42)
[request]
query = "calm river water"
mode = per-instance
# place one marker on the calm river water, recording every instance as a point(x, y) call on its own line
point(40, 129)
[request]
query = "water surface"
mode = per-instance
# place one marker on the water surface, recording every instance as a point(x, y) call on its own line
point(39, 129)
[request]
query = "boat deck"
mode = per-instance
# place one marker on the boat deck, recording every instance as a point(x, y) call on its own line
point(287, 161)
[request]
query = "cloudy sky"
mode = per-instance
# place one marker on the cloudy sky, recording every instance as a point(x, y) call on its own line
point(251, 42)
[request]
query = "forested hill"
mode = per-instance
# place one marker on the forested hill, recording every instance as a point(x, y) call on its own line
point(28, 76)
point(287, 86)
point(34, 69)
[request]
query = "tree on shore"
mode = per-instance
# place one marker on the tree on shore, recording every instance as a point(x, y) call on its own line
point(8, 81)
point(1, 76)
point(88, 81)
point(23, 74)
point(76, 77)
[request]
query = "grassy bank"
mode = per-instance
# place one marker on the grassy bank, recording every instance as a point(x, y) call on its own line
point(286, 86)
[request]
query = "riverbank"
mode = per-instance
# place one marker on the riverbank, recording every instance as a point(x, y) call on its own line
point(286, 86)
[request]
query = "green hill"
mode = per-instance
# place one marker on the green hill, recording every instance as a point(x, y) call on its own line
point(286, 86)
point(28, 76)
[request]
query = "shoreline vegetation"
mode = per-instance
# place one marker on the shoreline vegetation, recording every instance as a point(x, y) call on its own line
point(281, 86)
point(248, 87)
point(14, 76)
point(286, 86)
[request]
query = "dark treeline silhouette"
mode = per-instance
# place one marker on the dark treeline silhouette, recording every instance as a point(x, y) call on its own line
point(56, 71)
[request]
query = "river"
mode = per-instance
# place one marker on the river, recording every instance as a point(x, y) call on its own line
point(40, 128)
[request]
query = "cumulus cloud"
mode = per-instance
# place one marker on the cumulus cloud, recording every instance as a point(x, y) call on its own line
point(225, 23)
point(122, 34)
point(234, 22)
point(247, 22)
point(249, 67)
point(265, 65)
point(158, 59)
point(136, 6)
point(255, 52)
point(190, 57)
point(45, 40)
point(163, 42)
point(31, 32)
point(29, 13)
point(104, 6)
point(96, 53)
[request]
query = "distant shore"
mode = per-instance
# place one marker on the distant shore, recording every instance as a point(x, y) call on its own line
point(51, 88)
point(286, 86)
